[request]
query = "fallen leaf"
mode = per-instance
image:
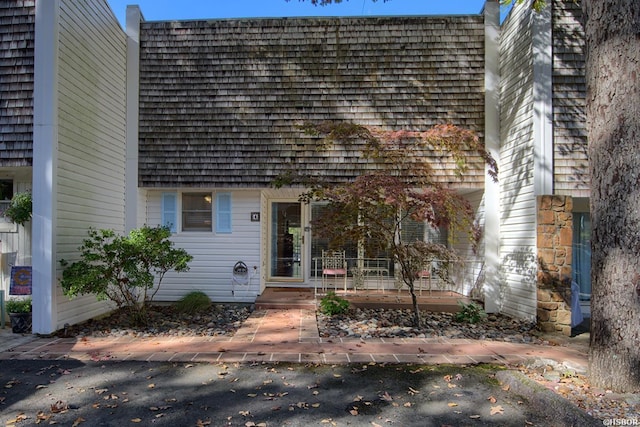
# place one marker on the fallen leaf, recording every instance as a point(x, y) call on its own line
point(497, 410)
point(78, 421)
point(407, 405)
point(136, 420)
point(41, 386)
point(506, 387)
point(152, 385)
point(201, 423)
point(386, 397)
point(447, 378)
point(251, 395)
point(58, 407)
point(354, 411)
point(474, 417)
point(492, 399)
point(315, 405)
point(452, 404)
point(413, 391)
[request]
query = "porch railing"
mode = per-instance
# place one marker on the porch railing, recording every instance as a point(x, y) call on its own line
point(379, 274)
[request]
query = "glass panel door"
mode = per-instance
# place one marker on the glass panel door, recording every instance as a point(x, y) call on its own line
point(286, 240)
point(582, 253)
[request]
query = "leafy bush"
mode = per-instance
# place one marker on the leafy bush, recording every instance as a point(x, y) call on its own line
point(124, 269)
point(470, 313)
point(332, 304)
point(19, 209)
point(193, 302)
point(22, 305)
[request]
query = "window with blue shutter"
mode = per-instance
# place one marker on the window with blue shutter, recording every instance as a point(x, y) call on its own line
point(170, 210)
point(223, 212)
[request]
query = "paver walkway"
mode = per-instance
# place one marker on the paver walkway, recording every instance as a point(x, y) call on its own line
point(292, 336)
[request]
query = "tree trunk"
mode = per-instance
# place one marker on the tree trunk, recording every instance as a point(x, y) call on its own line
point(613, 111)
point(417, 319)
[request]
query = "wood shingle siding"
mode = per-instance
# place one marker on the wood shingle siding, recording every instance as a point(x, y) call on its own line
point(219, 99)
point(17, 20)
point(571, 165)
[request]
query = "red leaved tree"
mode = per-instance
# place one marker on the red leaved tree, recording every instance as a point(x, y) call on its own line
point(400, 182)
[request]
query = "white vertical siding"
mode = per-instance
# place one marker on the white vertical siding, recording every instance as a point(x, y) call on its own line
point(214, 254)
point(91, 150)
point(516, 180)
point(472, 276)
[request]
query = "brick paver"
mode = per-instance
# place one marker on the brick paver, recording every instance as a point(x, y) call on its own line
point(292, 336)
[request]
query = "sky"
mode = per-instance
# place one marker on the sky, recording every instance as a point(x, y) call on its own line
point(163, 10)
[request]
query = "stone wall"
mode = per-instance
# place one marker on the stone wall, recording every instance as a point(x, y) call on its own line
point(555, 240)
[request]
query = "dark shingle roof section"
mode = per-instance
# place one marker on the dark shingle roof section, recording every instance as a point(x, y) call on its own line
point(219, 99)
point(17, 29)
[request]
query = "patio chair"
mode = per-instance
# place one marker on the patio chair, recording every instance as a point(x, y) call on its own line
point(424, 277)
point(334, 264)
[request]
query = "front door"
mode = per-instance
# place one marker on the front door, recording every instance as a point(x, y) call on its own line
point(286, 241)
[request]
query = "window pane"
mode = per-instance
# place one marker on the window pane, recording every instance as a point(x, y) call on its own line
point(6, 193)
point(196, 212)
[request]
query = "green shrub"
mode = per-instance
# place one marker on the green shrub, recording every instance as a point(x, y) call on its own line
point(124, 269)
point(332, 304)
point(22, 305)
point(193, 302)
point(470, 313)
point(20, 207)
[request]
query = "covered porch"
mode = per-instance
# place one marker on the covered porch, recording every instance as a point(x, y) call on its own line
point(296, 297)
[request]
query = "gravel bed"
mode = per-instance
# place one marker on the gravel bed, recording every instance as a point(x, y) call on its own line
point(383, 323)
point(165, 320)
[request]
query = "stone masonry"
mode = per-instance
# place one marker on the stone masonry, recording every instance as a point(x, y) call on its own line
point(555, 238)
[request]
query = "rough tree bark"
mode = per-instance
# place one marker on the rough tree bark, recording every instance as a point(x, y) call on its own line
point(613, 121)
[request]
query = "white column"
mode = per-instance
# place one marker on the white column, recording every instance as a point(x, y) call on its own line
point(45, 152)
point(492, 297)
point(134, 17)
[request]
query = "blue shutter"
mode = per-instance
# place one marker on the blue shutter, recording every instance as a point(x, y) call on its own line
point(223, 213)
point(170, 210)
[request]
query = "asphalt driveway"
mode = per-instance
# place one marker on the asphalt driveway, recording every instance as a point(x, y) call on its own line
point(74, 393)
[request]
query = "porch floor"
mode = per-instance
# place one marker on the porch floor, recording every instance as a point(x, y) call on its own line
point(440, 301)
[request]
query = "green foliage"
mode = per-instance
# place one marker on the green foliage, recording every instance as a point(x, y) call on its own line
point(124, 269)
point(193, 302)
point(331, 304)
point(18, 305)
point(470, 313)
point(20, 208)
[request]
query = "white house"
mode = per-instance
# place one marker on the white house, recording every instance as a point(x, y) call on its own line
point(190, 123)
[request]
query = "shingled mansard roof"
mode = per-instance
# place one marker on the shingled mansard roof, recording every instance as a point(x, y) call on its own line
point(219, 99)
point(17, 23)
